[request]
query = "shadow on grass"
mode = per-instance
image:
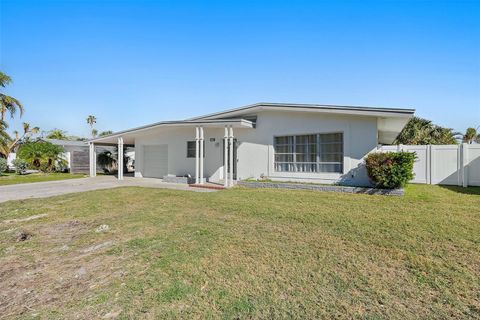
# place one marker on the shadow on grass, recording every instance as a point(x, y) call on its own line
point(469, 190)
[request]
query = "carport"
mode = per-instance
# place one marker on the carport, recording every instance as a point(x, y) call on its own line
point(155, 157)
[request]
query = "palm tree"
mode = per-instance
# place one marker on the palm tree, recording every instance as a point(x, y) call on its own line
point(9, 143)
point(420, 131)
point(7, 103)
point(471, 135)
point(91, 120)
point(57, 134)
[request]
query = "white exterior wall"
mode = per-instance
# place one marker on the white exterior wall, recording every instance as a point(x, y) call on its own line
point(176, 139)
point(255, 151)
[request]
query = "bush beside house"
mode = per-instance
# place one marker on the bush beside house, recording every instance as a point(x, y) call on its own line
point(390, 169)
point(3, 165)
point(20, 166)
point(43, 156)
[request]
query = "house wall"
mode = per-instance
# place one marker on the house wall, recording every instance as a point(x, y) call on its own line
point(176, 139)
point(255, 152)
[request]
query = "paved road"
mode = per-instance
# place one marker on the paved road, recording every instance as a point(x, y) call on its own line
point(55, 188)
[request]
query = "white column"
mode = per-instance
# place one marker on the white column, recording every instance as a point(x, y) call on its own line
point(120, 158)
point(197, 137)
point(225, 158)
point(202, 179)
point(232, 160)
point(92, 160)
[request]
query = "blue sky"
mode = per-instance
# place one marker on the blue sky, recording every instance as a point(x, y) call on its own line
point(136, 62)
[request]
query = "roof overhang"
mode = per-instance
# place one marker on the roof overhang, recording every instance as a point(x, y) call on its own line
point(331, 109)
point(389, 127)
point(129, 135)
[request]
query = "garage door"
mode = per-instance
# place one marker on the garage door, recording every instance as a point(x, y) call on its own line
point(155, 161)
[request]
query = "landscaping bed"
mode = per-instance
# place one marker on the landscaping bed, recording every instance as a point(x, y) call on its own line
point(320, 187)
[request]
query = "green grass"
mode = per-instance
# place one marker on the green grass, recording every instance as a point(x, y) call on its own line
point(244, 253)
point(12, 178)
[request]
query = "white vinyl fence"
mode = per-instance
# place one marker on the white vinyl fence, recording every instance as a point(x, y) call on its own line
point(444, 164)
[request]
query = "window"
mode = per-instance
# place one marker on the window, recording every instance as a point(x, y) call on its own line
point(309, 153)
point(191, 149)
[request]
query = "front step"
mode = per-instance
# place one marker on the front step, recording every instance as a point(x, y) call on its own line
point(207, 186)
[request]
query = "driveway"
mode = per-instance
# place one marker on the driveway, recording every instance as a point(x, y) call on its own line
point(55, 188)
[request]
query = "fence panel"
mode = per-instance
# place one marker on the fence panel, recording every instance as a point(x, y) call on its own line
point(473, 165)
point(444, 164)
point(421, 167)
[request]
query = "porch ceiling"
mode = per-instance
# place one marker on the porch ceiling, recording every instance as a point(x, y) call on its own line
point(129, 135)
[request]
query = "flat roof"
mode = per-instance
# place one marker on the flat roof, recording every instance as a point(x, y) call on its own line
point(235, 116)
point(236, 123)
point(376, 111)
point(74, 143)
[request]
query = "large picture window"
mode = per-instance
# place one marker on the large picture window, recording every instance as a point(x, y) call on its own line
point(309, 153)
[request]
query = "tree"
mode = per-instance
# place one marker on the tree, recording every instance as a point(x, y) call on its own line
point(43, 156)
point(420, 131)
point(471, 136)
point(7, 103)
point(105, 133)
point(9, 143)
point(57, 134)
point(91, 120)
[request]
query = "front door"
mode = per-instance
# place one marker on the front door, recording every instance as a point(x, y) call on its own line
point(234, 157)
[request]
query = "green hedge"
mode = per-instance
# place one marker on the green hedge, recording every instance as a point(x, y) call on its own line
point(390, 169)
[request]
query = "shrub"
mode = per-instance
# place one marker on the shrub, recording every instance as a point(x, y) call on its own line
point(390, 169)
point(43, 156)
point(3, 165)
point(20, 166)
point(107, 161)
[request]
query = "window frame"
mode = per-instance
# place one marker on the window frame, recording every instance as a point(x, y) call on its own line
point(194, 149)
point(318, 161)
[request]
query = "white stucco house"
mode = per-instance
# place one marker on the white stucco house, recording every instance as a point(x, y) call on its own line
point(288, 142)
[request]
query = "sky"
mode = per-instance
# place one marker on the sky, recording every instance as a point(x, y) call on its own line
point(131, 63)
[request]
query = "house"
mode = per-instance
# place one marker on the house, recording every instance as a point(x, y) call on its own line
point(77, 154)
point(288, 142)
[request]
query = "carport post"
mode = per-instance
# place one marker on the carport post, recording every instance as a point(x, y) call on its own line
point(202, 179)
point(120, 158)
point(225, 158)
point(93, 160)
point(232, 161)
point(196, 155)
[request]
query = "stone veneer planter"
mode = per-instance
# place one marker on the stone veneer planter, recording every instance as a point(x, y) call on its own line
point(317, 187)
point(173, 179)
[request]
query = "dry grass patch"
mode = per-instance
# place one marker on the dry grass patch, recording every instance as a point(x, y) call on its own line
point(242, 253)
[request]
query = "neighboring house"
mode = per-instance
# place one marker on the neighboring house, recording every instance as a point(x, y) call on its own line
point(291, 142)
point(77, 154)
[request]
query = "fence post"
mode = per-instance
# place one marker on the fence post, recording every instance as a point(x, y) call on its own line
point(428, 165)
point(465, 165)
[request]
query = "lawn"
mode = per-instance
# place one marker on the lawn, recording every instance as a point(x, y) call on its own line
point(12, 178)
point(242, 253)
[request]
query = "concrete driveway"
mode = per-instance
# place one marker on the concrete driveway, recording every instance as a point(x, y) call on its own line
point(55, 188)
